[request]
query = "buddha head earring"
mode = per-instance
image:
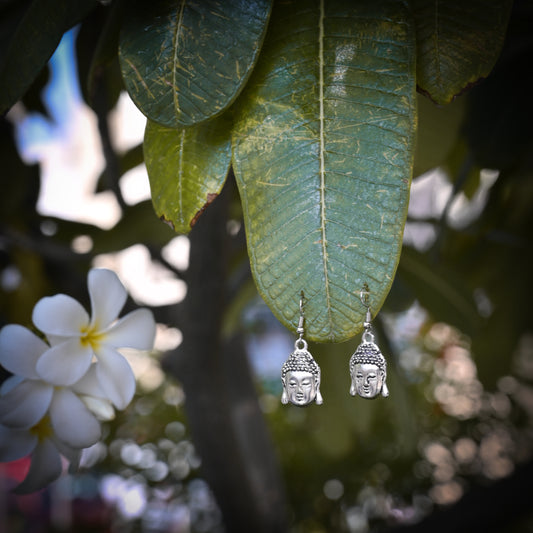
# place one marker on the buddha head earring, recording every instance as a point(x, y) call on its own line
point(300, 374)
point(368, 368)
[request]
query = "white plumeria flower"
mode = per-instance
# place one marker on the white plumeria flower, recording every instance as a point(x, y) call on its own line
point(76, 338)
point(37, 417)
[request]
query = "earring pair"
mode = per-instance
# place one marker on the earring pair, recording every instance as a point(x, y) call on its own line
point(301, 375)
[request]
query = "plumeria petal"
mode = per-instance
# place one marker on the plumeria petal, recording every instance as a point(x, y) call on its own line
point(115, 376)
point(135, 330)
point(65, 363)
point(108, 296)
point(26, 404)
point(93, 396)
point(45, 467)
point(89, 385)
point(60, 315)
point(20, 349)
point(54, 340)
point(72, 422)
point(10, 383)
point(101, 408)
point(15, 443)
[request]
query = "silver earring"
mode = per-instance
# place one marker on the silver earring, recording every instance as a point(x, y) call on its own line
point(368, 368)
point(300, 374)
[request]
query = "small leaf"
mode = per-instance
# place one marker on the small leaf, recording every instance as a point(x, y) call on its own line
point(458, 43)
point(323, 159)
point(97, 54)
point(187, 168)
point(33, 34)
point(184, 62)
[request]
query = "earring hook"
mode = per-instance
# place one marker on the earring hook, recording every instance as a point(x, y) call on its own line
point(300, 329)
point(364, 296)
point(302, 302)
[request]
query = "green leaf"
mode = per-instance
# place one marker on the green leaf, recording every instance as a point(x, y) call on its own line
point(97, 54)
point(323, 157)
point(187, 168)
point(31, 34)
point(439, 291)
point(458, 43)
point(184, 62)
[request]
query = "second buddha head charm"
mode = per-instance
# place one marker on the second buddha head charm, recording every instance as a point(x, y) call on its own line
point(368, 368)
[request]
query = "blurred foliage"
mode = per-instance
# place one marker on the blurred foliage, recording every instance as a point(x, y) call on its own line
point(456, 328)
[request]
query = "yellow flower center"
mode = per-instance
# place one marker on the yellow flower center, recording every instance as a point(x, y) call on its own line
point(90, 336)
point(43, 429)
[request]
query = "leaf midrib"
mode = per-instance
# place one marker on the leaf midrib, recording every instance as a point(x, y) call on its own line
point(180, 177)
point(175, 60)
point(322, 170)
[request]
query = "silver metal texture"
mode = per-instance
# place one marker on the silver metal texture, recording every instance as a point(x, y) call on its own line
point(300, 374)
point(368, 367)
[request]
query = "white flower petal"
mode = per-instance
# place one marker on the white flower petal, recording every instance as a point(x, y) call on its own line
point(60, 315)
point(54, 340)
point(102, 409)
point(15, 443)
point(20, 349)
point(65, 363)
point(89, 385)
point(45, 467)
point(115, 376)
point(108, 296)
point(10, 383)
point(72, 422)
point(135, 330)
point(26, 404)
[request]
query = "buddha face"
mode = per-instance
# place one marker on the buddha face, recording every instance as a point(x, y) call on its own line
point(300, 386)
point(367, 380)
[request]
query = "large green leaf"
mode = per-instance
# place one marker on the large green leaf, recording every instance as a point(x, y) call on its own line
point(458, 42)
point(30, 33)
point(185, 61)
point(323, 158)
point(187, 168)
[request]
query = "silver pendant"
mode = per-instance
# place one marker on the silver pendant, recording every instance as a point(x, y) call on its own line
point(300, 374)
point(368, 367)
